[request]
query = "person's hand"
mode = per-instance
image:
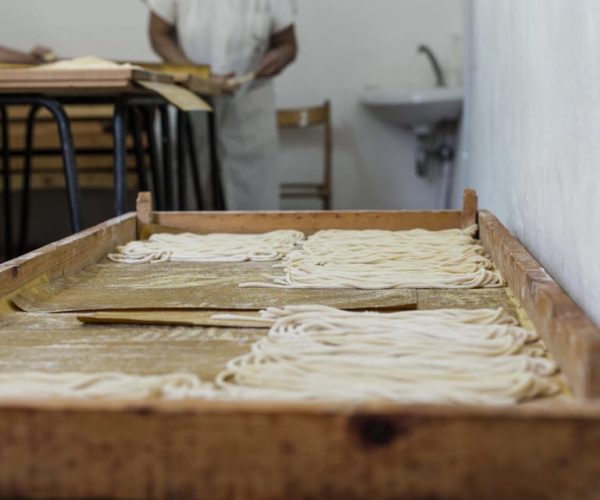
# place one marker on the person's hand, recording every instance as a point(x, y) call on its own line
point(222, 82)
point(272, 63)
point(41, 54)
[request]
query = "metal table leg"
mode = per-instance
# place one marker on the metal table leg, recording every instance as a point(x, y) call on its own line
point(138, 145)
point(26, 191)
point(217, 184)
point(66, 146)
point(69, 161)
point(8, 230)
point(120, 142)
point(188, 136)
point(181, 161)
point(167, 156)
point(157, 194)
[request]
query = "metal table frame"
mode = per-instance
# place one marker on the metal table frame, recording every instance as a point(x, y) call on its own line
point(132, 108)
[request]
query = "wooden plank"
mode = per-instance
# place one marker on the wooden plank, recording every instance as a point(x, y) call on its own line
point(174, 318)
point(469, 215)
point(87, 180)
point(220, 450)
point(570, 336)
point(59, 343)
point(144, 209)
point(177, 70)
point(189, 285)
point(306, 221)
point(476, 298)
point(57, 86)
point(18, 114)
point(204, 86)
point(178, 96)
point(45, 74)
point(67, 256)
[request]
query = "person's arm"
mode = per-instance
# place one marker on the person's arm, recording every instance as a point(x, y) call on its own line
point(163, 37)
point(282, 52)
point(37, 55)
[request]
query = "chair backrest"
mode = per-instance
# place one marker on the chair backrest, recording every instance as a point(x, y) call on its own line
point(304, 117)
point(300, 118)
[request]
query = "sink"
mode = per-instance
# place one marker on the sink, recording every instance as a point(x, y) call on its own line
point(415, 108)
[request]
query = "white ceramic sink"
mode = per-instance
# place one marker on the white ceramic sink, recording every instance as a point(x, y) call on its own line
point(415, 108)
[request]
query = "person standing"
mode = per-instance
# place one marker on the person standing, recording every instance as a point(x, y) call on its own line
point(236, 38)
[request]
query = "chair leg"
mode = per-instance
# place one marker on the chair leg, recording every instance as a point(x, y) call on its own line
point(6, 194)
point(26, 191)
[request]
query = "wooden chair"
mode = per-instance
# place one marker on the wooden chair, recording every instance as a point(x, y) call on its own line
point(302, 118)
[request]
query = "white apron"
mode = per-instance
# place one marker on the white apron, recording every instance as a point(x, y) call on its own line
point(233, 36)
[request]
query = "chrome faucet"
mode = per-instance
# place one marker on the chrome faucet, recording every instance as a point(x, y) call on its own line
point(439, 75)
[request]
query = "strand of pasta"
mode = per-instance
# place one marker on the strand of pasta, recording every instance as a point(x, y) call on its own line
point(374, 259)
point(444, 356)
point(215, 247)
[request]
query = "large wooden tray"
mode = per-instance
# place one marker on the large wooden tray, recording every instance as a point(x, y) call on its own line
point(279, 450)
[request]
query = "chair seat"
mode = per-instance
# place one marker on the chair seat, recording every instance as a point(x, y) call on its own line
point(304, 190)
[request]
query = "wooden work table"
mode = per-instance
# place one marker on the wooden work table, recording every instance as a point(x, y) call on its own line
point(210, 449)
point(124, 89)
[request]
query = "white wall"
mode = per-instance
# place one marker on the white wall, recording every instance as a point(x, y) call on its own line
point(344, 47)
point(533, 121)
point(108, 28)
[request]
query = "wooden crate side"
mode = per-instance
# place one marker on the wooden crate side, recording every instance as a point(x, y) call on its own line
point(68, 255)
point(308, 222)
point(141, 453)
point(571, 337)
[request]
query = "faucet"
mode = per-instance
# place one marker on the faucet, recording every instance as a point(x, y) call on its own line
point(439, 75)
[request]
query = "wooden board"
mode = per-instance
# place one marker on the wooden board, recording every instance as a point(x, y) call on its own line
point(174, 318)
point(67, 256)
point(111, 286)
point(569, 334)
point(308, 222)
point(59, 343)
point(180, 97)
point(204, 86)
point(177, 70)
point(216, 450)
point(39, 77)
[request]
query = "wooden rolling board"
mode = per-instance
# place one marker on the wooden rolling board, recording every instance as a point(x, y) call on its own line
point(111, 286)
